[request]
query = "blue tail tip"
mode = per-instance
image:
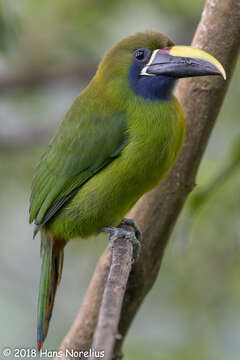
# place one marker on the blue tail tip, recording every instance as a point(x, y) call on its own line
point(39, 339)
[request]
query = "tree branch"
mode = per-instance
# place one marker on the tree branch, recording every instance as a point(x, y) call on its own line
point(106, 331)
point(108, 302)
point(79, 337)
point(157, 211)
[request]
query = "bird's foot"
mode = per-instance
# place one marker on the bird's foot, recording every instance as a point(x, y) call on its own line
point(123, 231)
point(134, 225)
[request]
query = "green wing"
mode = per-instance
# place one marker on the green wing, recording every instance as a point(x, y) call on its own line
point(84, 144)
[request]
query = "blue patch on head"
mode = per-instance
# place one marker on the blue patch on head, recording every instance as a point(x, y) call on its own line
point(156, 88)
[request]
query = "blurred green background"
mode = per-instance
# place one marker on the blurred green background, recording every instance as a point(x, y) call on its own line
point(48, 52)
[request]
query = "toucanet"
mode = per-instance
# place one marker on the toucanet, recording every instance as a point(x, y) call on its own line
point(118, 140)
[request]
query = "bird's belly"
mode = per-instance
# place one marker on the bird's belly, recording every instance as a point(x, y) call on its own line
point(109, 195)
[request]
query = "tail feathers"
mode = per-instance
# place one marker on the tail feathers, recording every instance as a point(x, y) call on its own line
point(52, 263)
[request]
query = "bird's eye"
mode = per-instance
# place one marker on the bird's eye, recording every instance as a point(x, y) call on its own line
point(142, 55)
point(139, 54)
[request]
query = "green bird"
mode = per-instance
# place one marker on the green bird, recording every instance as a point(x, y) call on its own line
point(117, 141)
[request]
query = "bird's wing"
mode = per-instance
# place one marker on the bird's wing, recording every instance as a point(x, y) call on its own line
point(84, 144)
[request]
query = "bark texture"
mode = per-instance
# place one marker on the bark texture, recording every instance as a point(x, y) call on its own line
point(106, 331)
point(80, 335)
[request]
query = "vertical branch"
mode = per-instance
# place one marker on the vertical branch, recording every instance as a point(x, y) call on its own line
point(106, 331)
point(79, 337)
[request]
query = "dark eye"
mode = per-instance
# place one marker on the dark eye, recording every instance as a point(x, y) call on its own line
point(139, 54)
point(142, 55)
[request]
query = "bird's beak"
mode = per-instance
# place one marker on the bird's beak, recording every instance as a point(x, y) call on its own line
point(182, 61)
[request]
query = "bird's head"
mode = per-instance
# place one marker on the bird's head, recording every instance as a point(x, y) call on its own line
point(148, 65)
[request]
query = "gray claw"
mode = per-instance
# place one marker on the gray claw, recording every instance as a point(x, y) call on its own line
point(131, 222)
point(116, 232)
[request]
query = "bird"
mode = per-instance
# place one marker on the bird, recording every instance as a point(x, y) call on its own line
point(118, 140)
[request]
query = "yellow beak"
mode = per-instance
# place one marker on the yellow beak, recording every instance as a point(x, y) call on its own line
point(182, 61)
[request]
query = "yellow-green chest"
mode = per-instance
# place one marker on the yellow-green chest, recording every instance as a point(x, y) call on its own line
point(156, 137)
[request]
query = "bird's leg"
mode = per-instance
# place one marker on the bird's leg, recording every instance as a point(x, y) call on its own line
point(123, 231)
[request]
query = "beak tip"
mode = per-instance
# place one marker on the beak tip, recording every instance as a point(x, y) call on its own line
point(223, 74)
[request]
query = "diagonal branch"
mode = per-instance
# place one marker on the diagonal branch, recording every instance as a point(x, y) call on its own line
point(157, 212)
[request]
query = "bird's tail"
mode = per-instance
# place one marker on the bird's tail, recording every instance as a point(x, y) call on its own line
point(52, 263)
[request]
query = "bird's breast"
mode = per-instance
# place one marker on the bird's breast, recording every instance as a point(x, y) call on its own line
point(156, 136)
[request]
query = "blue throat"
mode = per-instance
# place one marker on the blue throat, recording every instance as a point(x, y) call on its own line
point(155, 88)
